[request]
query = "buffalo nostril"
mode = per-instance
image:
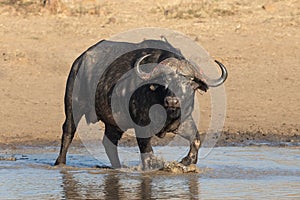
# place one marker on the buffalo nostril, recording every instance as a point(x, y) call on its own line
point(175, 101)
point(171, 102)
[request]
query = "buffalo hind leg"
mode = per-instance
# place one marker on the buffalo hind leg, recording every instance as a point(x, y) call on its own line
point(111, 139)
point(69, 129)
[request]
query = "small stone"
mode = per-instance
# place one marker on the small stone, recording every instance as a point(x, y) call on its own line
point(8, 159)
point(269, 7)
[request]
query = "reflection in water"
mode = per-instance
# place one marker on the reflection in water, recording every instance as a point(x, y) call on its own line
point(228, 173)
point(145, 188)
point(194, 187)
point(70, 186)
point(112, 187)
point(119, 185)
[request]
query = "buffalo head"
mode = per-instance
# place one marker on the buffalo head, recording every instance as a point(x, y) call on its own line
point(178, 80)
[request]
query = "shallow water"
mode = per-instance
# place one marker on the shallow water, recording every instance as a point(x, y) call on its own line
point(227, 173)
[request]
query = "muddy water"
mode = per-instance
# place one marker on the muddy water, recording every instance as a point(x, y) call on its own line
point(227, 173)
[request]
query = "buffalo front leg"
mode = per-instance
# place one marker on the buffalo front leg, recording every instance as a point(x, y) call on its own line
point(110, 142)
point(149, 160)
point(188, 130)
point(146, 152)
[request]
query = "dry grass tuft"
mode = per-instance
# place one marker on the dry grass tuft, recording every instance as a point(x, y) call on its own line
point(199, 9)
point(38, 7)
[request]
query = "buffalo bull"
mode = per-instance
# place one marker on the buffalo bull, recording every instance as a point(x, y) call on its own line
point(119, 83)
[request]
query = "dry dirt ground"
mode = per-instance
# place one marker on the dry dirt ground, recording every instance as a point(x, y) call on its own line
point(258, 41)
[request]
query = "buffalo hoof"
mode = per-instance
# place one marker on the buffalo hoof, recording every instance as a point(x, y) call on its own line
point(60, 161)
point(186, 161)
point(151, 162)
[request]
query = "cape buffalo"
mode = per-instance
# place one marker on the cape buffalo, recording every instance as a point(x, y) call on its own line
point(119, 83)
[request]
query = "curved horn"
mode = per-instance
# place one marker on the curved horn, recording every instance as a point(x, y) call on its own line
point(140, 73)
point(219, 81)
